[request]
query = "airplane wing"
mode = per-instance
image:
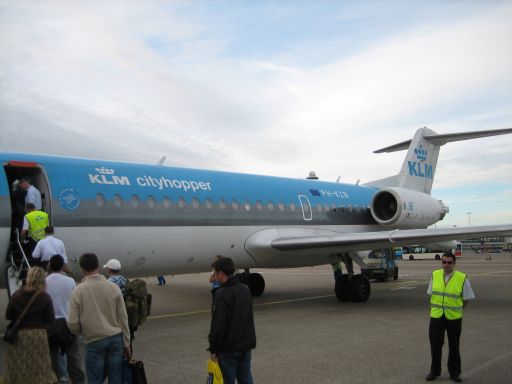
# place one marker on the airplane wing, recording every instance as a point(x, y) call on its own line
point(373, 240)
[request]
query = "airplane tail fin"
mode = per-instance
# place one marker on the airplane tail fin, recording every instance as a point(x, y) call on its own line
point(419, 166)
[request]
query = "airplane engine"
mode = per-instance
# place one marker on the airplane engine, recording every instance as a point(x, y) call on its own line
point(404, 208)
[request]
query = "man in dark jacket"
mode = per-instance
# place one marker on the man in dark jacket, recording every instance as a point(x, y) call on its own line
point(232, 335)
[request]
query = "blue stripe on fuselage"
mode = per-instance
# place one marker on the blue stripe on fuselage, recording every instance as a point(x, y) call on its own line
point(87, 178)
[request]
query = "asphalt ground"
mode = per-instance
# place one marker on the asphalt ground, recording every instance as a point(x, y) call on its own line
point(306, 336)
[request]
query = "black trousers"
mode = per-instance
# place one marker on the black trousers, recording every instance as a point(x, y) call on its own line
point(436, 332)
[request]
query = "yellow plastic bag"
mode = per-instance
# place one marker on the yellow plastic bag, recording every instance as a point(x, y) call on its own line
point(214, 373)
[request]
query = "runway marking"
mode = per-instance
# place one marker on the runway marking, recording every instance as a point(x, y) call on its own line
point(408, 285)
point(254, 305)
point(179, 314)
point(506, 355)
point(292, 300)
point(491, 274)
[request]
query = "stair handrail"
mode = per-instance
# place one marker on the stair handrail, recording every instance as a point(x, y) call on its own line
point(24, 258)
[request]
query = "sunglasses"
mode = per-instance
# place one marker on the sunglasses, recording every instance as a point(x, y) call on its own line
point(447, 262)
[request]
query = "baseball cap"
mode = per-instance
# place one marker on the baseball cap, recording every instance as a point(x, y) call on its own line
point(113, 264)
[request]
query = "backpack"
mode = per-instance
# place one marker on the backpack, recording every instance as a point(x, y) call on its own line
point(138, 302)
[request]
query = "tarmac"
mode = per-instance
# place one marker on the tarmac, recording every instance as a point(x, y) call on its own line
point(305, 335)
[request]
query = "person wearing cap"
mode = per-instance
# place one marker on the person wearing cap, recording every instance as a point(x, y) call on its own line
point(232, 335)
point(48, 247)
point(33, 195)
point(113, 268)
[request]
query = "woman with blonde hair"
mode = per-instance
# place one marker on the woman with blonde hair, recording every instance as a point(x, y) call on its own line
point(28, 358)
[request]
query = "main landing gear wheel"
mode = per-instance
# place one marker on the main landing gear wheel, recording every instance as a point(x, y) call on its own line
point(357, 290)
point(254, 281)
point(360, 288)
point(341, 288)
point(256, 284)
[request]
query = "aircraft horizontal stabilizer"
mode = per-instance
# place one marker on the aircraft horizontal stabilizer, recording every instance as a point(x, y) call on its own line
point(374, 240)
point(441, 139)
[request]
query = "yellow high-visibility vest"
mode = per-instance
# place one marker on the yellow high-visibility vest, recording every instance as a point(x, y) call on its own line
point(37, 222)
point(447, 298)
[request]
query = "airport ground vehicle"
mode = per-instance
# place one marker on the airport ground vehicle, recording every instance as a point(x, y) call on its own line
point(381, 265)
point(418, 252)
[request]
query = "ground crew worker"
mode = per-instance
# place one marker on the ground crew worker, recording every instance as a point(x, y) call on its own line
point(34, 224)
point(450, 291)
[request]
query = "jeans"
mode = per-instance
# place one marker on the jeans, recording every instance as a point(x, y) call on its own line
point(236, 365)
point(109, 352)
point(59, 363)
point(70, 362)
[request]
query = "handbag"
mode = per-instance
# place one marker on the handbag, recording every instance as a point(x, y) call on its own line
point(138, 374)
point(214, 373)
point(11, 333)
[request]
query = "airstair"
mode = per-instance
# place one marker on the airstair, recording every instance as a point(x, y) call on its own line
point(19, 265)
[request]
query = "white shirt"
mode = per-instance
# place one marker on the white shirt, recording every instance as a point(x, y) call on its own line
point(467, 291)
point(48, 247)
point(59, 287)
point(33, 196)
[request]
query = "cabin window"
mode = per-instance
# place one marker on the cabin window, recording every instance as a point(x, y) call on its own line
point(259, 206)
point(222, 204)
point(166, 202)
point(319, 207)
point(270, 205)
point(181, 202)
point(195, 203)
point(326, 207)
point(209, 203)
point(247, 205)
point(151, 202)
point(280, 206)
point(100, 200)
point(333, 206)
point(118, 200)
point(235, 204)
point(135, 201)
point(293, 207)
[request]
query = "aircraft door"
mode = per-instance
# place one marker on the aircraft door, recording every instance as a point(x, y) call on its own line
point(15, 171)
point(307, 212)
point(5, 216)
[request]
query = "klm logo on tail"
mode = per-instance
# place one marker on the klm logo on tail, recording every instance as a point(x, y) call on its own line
point(420, 168)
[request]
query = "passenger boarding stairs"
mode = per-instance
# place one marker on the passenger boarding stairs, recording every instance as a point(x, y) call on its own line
point(19, 265)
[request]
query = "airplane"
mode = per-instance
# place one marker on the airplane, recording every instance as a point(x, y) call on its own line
point(165, 220)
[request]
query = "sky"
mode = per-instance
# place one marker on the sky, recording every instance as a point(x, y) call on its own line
point(267, 87)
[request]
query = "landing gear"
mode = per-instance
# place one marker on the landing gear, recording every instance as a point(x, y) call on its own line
point(349, 286)
point(254, 281)
point(341, 288)
point(360, 288)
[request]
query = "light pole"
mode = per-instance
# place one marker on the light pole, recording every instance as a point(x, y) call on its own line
point(469, 218)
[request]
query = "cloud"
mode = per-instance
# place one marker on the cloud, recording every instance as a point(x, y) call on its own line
point(139, 80)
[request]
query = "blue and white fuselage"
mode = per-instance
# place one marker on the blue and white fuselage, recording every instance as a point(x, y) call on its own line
point(164, 220)
point(161, 220)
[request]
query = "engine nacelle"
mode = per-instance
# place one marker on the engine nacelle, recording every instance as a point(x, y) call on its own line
point(404, 208)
